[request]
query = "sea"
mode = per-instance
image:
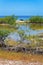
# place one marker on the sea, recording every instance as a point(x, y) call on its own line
point(23, 17)
point(20, 17)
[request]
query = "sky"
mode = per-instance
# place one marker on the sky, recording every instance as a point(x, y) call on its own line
point(21, 7)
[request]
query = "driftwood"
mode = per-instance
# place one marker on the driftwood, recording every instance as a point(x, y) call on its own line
point(23, 49)
point(20, 48)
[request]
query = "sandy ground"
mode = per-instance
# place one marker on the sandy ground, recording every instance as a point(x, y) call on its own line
point(14, 62)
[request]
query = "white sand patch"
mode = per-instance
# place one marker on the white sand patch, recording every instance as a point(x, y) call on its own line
point(10, 62)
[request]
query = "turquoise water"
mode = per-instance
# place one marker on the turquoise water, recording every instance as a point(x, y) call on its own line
point(27, 30)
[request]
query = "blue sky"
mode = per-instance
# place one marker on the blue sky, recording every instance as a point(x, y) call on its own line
point(21, 7)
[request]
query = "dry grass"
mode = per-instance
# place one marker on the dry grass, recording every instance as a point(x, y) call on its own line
point(11, 42)
point(36, 26)
point(6, 27)
point(20, 56)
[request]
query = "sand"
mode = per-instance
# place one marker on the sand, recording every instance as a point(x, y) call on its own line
point(15, 62)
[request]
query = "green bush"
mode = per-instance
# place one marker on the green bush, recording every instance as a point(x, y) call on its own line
point(4, 32)
point(9, 20)
point(36, 19)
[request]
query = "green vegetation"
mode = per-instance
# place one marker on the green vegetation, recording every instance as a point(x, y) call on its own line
point(35, 22)
point(7, 25)
point(8, 20)
point(6, 29)
point(4, 32)
point(36, 19)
